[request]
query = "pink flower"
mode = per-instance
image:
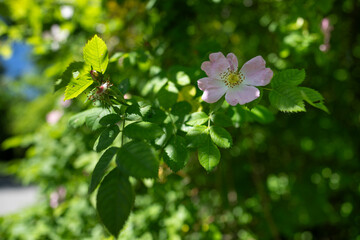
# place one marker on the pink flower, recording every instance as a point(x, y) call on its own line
point(54, 116)
point(224, 78)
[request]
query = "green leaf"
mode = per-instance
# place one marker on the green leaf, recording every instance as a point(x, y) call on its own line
point(106, 138)
point(176, 154)
point(89, 117)
point(292, 77)
point(261, 114)
point(76, 86)
point(137, 159)
point(96, 54)
point(221, 120)
point(314, 98)
point(115, 200)
point(69, 74)
point(209, 155)
point(182, 78)
point(220, 137)
point(138, 110)
point(101, 167)
point(198, 118)
point(168, 95)
point(143, 130)
point(197, 136)
point(110, 119)
point(287, 99)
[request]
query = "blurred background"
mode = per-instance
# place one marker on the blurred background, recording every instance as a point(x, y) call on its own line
point(297, 177)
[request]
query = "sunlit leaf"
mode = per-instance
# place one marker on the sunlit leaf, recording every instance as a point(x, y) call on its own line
point(96, 54)
point(197, 118)
point(220, 137)
point(314, 98)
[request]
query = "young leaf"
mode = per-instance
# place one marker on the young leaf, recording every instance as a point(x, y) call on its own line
point(287, 99)
point(143, 130)
point(198, 118)
point(137, 159)
point(209, 155)
point(314, 98)
point(101, 167)
point(176, 154)
point(69, 73)
point(76, 86)
point(107, 137)
point(115, 200)
point(220, 137)
point(96, 54)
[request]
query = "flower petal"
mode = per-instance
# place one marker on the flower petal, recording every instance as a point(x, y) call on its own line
point(233, 61)
point(213, 89)
point(217, 65)
point(209, 83)
point(255, 72)
point(241, 94)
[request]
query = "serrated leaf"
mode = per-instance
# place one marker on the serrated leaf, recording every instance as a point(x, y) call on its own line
point(137, 159)
point(143, 130)
point(176, 154)
point(197, 136)
point(90, 117)
point(106, 138)
point(197, 118)
point(101, 167)
point(115, 200)
point(110, 119)
point(292, 77)
point(96, 54)
point(287, 99)
point(68, 75)
point(168, 95)
point(209, 155)
point(314, 98)
point(169, 131)
point(262, 115)
point(221, 120)
point(220, 137)
point(77, 86)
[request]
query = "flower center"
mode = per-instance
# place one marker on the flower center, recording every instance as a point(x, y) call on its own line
point(232, 78)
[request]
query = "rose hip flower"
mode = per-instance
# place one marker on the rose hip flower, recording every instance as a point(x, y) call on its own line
point(224, 78)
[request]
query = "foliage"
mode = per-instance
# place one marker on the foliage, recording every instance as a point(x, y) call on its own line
point(145, 144)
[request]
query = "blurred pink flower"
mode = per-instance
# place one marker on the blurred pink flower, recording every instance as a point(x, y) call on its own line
point(54, 116)
point(66, 103)
point(224, 78)
point(57, 197)
point(326, 28)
